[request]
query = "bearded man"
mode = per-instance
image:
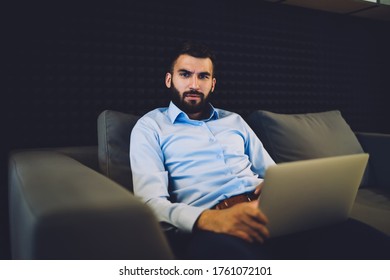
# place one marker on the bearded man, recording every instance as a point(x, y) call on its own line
point(200, 169)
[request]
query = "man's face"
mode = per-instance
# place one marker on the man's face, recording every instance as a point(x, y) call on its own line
point(191, 83)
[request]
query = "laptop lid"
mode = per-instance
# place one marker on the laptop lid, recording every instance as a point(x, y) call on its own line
point(307, 194)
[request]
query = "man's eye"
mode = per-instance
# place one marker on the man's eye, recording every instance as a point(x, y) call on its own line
point(184, 74)
point(203, 77)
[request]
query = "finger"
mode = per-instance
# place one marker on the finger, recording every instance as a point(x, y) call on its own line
point(255, 227)
point(250, 222)
point(243, 225)
point(261, 217)
point(244, 235)
point(258, 188)
point(257, 220)
point(249, 235)
point(256, 212)
point(255, 236)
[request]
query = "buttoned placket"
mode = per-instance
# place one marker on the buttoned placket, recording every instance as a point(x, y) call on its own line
point(213, 140)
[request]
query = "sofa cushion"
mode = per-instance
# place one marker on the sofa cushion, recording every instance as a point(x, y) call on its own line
point(292, 137)
point(372, 206)
point(304, 136)
point(114, 130)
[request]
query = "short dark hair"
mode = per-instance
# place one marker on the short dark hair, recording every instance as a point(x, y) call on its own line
point(195, 49)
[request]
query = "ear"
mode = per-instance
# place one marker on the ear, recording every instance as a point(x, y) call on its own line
point(168, 80)
point(213, 85)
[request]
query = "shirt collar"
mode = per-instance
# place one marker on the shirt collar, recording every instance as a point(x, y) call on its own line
point(174, 112)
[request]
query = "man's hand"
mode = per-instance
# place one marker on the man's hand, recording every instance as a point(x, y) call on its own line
point(244, 220)
point(258, 188)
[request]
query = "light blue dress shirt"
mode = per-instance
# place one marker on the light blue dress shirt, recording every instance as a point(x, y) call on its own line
point(182, 167)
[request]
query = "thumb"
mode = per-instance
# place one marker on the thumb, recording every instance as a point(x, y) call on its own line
point(258, 188)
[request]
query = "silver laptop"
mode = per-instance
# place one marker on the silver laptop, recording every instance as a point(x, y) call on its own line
point(308, 194)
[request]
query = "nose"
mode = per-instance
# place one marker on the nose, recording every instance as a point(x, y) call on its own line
point(194, 83)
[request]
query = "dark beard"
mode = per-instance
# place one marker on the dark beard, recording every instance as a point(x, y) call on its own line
point(190, 107)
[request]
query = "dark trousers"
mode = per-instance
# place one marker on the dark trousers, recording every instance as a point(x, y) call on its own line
point(348, 240)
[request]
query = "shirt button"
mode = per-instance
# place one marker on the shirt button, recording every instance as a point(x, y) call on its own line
point(211, 140)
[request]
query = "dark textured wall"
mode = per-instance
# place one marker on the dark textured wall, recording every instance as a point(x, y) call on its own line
point(67, 61)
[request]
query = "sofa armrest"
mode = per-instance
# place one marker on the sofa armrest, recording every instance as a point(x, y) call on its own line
point(61, 209)
point(87, 155)
point(378, 146)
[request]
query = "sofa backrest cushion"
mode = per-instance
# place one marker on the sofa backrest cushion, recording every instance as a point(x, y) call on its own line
point(114, 130)
point(292, 137)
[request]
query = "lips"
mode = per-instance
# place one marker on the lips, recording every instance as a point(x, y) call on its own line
point(193, 95)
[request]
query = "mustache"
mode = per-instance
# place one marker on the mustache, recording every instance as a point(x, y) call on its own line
point(193, 92)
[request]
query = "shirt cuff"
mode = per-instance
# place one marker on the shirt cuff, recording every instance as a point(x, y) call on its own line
point(188, 216)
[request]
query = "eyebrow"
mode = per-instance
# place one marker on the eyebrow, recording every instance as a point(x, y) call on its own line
point(201, 73)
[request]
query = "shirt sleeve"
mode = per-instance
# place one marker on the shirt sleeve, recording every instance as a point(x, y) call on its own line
point(258, 155)
point(150, 179)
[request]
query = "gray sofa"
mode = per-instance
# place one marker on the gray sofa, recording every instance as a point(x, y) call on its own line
point(306, 136)
point(77, 202)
